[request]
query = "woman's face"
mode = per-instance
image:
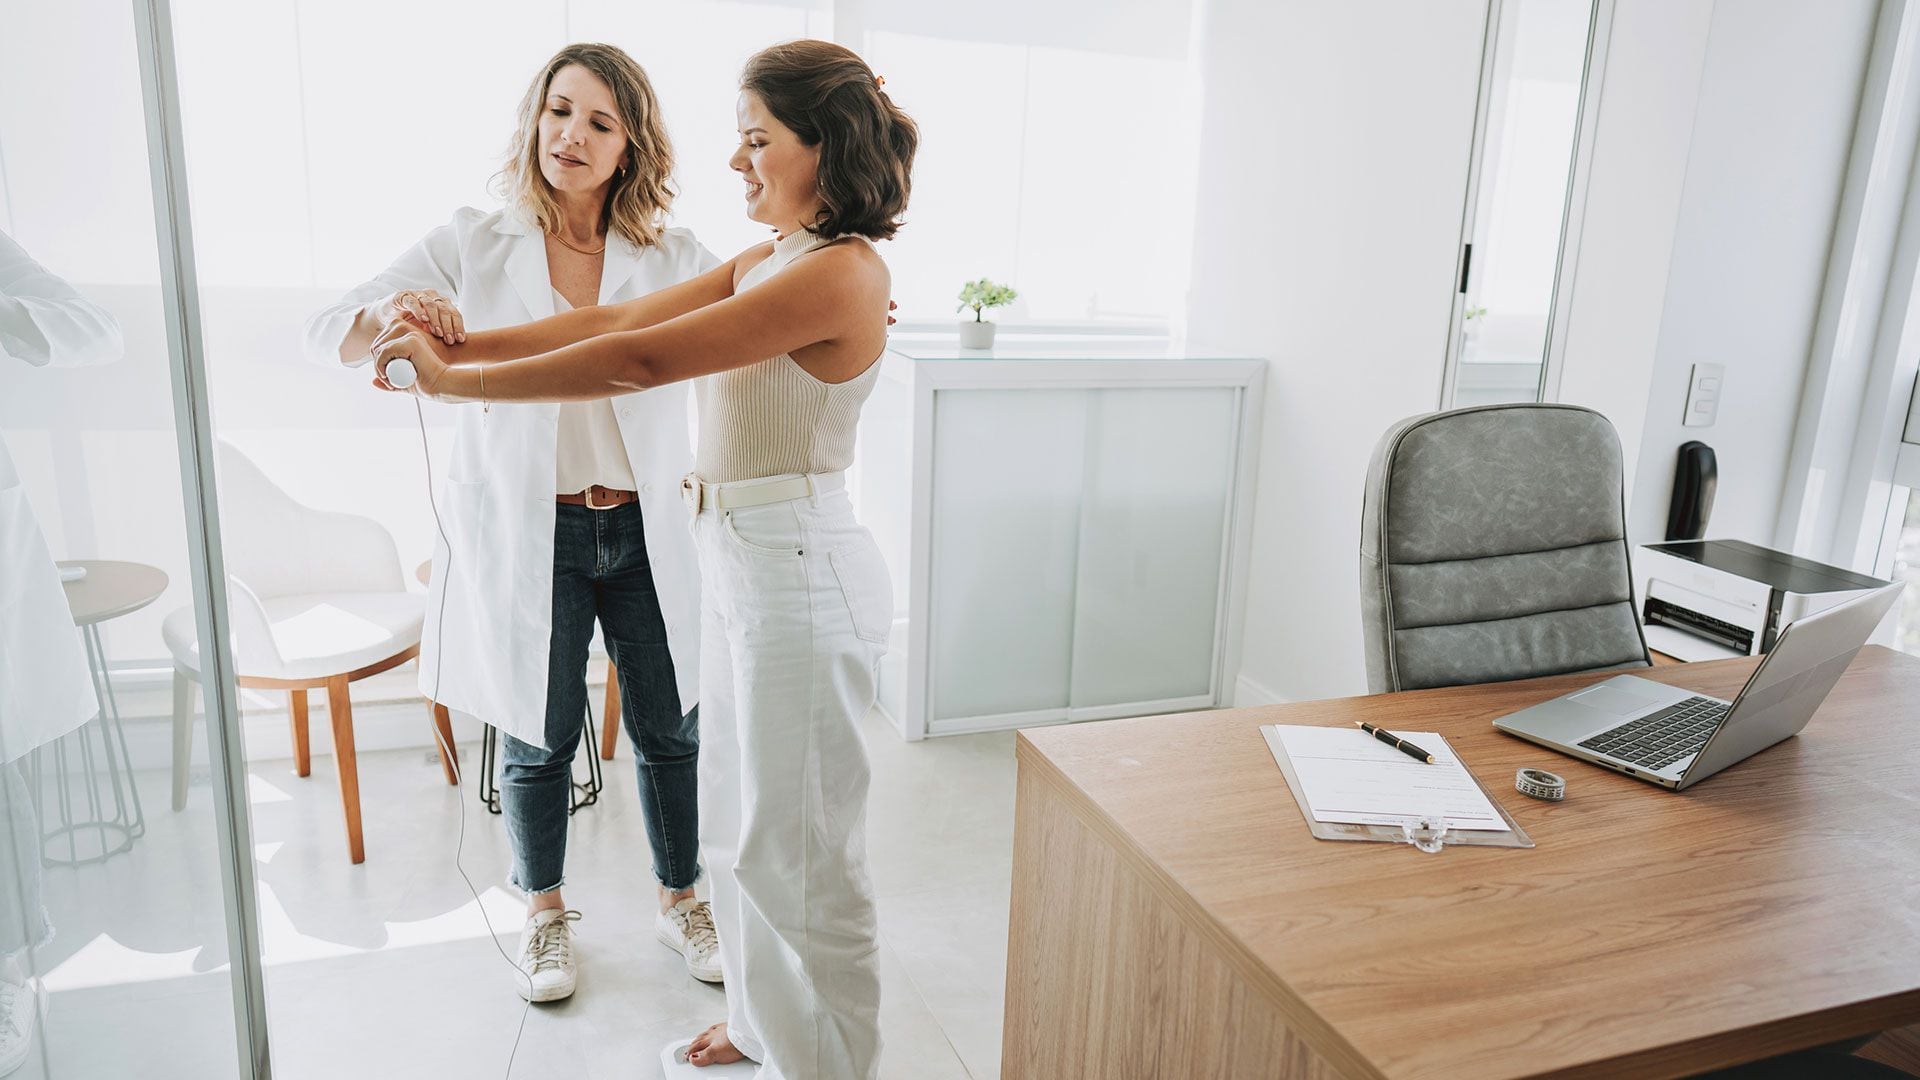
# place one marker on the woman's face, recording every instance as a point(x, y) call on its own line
point(782, 173)
point(582, 142)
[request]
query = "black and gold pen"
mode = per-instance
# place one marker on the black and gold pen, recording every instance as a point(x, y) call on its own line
point(1395, 741)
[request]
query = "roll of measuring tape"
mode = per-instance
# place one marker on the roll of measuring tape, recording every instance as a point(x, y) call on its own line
point(1540, 784)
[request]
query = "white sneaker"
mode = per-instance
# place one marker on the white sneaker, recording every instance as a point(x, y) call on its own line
point(547, 967)
point(21, 1005)
point(687, 928)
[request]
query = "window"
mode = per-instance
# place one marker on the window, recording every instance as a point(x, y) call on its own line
point(1066, 172)
point(1051, 143)
point(1529, 130)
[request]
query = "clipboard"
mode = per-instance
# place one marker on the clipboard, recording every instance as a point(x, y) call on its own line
point(1335, 830)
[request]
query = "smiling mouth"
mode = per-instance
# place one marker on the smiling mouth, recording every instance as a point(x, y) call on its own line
point(754, 189)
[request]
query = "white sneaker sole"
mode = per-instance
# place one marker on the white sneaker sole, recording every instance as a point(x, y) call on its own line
point(675, 1066)
point(531, 993)
point(671, 940)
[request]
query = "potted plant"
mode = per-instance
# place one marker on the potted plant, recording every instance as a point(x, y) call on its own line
point(981, 295)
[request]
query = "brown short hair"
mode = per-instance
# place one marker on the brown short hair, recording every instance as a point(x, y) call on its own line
point(831, 99)
point(640, 196)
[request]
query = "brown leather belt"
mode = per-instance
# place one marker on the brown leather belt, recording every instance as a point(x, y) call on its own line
point(598, 498)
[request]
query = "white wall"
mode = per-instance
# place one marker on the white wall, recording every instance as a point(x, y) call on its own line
point(1327, 245)
point(1333, 168)
point(1778, 97)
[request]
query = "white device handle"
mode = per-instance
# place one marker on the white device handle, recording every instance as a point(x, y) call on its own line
point(400, 373)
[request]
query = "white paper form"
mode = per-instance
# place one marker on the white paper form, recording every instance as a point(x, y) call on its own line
point(1346, 775)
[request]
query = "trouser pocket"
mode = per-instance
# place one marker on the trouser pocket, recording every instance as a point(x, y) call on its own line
point(863, 578)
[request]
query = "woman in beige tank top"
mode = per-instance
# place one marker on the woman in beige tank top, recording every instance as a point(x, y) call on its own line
point(796, 602)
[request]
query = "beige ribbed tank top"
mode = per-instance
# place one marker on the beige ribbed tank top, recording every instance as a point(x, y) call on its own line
point(773, 418)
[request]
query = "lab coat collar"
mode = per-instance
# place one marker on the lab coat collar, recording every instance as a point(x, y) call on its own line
point(527, 264)
point(623, 258)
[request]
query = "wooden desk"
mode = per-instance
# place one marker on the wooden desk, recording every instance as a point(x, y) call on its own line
point(1172, 917)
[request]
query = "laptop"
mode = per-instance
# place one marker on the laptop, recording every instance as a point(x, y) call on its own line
point(1676, 738)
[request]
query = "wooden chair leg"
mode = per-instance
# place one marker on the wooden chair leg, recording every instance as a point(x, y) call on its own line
point(297, 717)
point(340, 706)
point(449, 753)
point(182, 736)
point(610, 724)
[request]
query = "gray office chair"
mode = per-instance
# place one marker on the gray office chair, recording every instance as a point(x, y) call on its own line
point(1493, 546)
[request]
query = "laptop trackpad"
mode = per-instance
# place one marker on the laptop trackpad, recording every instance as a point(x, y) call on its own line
point(1620, 699)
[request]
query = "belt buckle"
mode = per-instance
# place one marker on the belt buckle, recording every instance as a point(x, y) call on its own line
point(590, 503)
point(690, 492)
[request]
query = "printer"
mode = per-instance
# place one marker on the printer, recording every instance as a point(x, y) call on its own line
point(1711, 599)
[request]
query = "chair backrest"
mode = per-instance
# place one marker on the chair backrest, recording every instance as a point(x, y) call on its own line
point(1493, 546)
point(280, 547)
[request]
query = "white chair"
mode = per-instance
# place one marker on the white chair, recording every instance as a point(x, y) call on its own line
point(317, 601)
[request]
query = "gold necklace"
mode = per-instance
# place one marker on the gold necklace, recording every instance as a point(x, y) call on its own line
point(556, 235)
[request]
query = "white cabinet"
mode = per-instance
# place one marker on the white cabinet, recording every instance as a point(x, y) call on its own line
point(1068, 540)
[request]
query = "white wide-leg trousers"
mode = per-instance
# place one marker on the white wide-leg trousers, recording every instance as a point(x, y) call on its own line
point(796, 607)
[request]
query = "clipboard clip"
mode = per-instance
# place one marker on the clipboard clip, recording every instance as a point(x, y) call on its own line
point(1428, 831)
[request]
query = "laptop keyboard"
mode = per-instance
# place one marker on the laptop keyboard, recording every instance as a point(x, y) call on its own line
point(1659, 739)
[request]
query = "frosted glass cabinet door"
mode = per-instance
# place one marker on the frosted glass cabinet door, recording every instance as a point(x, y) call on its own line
point(1006, 486)
point(1152, 537)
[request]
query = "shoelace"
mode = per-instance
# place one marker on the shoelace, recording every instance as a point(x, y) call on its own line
point(700, 932)
point(551, 943)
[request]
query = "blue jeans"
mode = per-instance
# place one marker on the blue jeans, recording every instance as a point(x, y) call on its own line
point(600, 570)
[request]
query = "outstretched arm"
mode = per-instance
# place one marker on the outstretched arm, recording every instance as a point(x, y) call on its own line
point(835, 295)
point(580, 324)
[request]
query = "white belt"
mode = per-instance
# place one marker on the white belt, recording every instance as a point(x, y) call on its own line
point(739, 494)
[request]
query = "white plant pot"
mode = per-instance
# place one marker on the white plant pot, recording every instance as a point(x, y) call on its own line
point(976, 335)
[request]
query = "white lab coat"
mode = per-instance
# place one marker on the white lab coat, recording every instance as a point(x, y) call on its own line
point(488, 656)
point(45, 688)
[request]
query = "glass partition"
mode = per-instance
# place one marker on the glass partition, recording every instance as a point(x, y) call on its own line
point(118, 916)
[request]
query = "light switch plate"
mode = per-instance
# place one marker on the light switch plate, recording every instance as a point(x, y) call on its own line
point(1703, 394)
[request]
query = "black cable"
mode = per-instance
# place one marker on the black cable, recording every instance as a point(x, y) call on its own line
point(446, 744)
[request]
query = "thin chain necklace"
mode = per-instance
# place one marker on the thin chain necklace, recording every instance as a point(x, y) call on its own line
point(563, 240)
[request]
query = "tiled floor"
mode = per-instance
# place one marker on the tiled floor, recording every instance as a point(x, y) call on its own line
point(385, 970)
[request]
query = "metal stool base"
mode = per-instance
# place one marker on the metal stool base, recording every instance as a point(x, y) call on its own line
point(82, 799)
point(584, 794)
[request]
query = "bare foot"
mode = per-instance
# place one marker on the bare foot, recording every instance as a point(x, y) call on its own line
point(711, 1047)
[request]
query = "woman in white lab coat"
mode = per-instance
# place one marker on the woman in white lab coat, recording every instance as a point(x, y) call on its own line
point(45, 688)
point(796, 600)
point(557, 516)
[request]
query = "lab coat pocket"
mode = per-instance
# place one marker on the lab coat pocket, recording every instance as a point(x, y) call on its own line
point(463, 515)
point(868, 589)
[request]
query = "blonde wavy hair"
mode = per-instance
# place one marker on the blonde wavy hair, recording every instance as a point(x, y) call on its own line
point(641, 195)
